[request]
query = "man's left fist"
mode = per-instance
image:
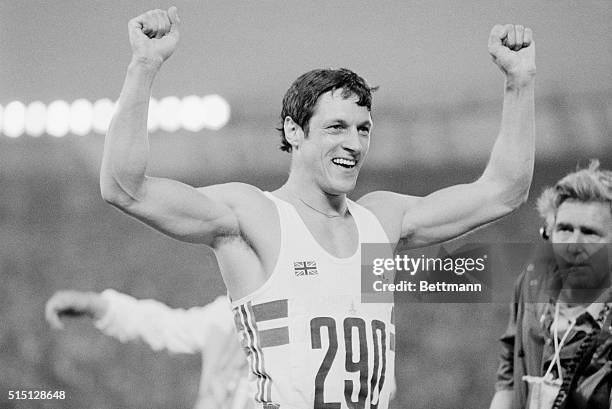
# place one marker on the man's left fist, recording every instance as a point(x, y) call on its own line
point(513, 50)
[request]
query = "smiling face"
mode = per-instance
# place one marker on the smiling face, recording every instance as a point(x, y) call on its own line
point(580, 233)
point(336, 145)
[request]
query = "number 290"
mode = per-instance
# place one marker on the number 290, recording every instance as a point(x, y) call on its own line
point(361, 366)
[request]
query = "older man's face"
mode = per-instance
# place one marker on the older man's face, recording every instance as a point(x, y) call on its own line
point(580, 234)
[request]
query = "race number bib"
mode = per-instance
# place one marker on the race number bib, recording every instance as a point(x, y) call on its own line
point(354, 365)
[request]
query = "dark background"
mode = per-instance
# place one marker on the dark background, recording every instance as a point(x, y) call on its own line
point(436, 116)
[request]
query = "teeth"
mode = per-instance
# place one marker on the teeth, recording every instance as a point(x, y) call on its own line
point(344, 162)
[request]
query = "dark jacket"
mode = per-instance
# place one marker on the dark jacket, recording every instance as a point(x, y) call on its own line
point(527, 343)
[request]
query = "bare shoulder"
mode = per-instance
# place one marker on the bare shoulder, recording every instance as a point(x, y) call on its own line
point(383, 201)
point(234, 194)
point(389, 208)
point(255, 213)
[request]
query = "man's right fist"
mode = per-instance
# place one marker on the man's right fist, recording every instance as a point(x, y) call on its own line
point(154, 35)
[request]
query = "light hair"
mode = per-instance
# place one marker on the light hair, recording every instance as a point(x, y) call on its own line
point(590, 184)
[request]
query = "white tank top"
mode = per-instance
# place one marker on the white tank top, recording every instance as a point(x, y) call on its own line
point(309, 340)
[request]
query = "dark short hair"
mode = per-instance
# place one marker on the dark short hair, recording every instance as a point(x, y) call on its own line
point(300, 99)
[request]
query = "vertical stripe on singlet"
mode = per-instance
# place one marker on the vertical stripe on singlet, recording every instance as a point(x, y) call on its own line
point(256, 356)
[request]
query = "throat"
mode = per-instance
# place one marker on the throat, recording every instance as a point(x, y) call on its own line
point(329, 213)
point(315, 201)
point(327, 218)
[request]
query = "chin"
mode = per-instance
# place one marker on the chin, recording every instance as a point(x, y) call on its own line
point(584, 278)
point(578, 284)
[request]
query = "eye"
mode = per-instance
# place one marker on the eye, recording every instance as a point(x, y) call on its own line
point(564, 228)
point(335, 127)
point(364, 130)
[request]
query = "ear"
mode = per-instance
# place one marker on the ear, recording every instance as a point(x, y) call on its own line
point(293, 132)
point(547, 229)
point(544, 233)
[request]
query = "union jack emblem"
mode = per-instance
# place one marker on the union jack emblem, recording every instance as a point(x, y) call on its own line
point(305, 268)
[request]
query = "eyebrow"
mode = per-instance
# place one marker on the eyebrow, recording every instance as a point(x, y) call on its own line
point(589, 229)
point(335, 121)
point(582, 228)
point(368, 123)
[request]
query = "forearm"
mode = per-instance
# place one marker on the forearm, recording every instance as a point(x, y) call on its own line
point(151, 322)
point(126, 148)
point(511, 162)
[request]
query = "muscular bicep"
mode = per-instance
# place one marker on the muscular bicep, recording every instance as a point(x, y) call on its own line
point(442, 215)
point(451, 212)
point(182, 211)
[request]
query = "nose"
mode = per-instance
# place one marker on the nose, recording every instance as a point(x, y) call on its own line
point(575, 243)
point(352, 141)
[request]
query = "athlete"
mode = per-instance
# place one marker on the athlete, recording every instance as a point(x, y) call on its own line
point(208, 331)
point(291, 258)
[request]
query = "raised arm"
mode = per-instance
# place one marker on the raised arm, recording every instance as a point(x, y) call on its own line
point(504, 184)
point(167, 205)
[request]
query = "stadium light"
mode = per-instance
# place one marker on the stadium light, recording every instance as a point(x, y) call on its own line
point(14, 119)
point(103, 110)
point(216, 111)
point(58, 118)
point(35, 119)
point(169, 114)
point(81, 117)
point(192, 115)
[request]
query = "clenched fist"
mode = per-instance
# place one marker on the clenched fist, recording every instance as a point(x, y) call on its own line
point(513, 50)
point(154, 35)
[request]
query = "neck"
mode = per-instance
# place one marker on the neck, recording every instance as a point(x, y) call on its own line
point(310, 195)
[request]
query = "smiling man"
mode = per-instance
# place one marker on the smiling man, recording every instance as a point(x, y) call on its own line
point(291, 258)
point(561, 304)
